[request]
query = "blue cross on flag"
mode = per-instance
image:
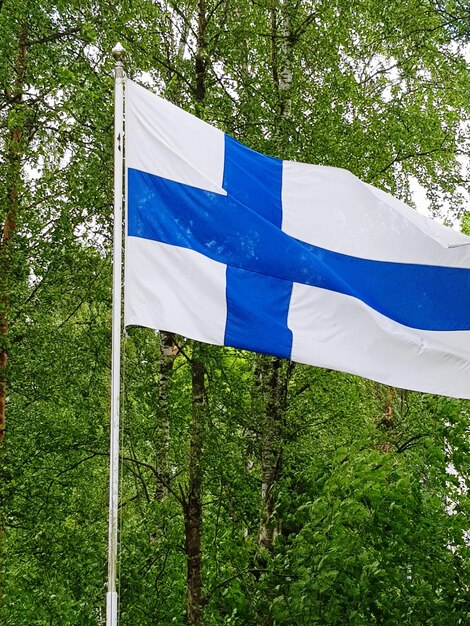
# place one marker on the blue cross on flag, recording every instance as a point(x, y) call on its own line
point(232, 247)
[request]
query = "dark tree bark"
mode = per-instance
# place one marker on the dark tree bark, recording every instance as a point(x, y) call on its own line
point(201, 62)
point(162, 428)
point(14, 182)
point(386, 420)
point(9, 213)
point(274, 377)
point(193, 502)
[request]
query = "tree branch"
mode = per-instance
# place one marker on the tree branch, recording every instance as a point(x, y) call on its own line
point(53, 37)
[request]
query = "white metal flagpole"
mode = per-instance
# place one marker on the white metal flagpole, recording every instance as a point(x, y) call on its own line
point(111, 596)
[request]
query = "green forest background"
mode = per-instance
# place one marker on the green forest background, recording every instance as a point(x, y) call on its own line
point(254, 491)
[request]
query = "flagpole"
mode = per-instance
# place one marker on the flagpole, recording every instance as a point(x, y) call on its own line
point(111, 596)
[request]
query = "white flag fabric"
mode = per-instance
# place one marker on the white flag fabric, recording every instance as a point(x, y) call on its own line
point(232, 247)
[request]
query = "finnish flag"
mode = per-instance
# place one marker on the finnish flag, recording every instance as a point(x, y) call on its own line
point(231, 247)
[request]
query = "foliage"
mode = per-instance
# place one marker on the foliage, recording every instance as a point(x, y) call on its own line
point(371, 498)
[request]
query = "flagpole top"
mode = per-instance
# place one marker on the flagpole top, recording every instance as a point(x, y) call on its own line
point(119, 52)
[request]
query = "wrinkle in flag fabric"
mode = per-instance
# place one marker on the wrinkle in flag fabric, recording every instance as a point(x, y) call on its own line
point(232, 247)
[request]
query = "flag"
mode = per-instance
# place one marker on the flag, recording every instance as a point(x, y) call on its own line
point(231, 247)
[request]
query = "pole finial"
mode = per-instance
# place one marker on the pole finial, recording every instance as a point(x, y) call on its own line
point(119, 53)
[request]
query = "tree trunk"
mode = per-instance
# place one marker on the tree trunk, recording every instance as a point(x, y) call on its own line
point(201, 63)
point(162, 428)
point(271, 449)
point(386, 420)
point(281, 58)
point(273, 375)
point(14, 151)
point(14, 183)
point(193, 504)
point(273, 381)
